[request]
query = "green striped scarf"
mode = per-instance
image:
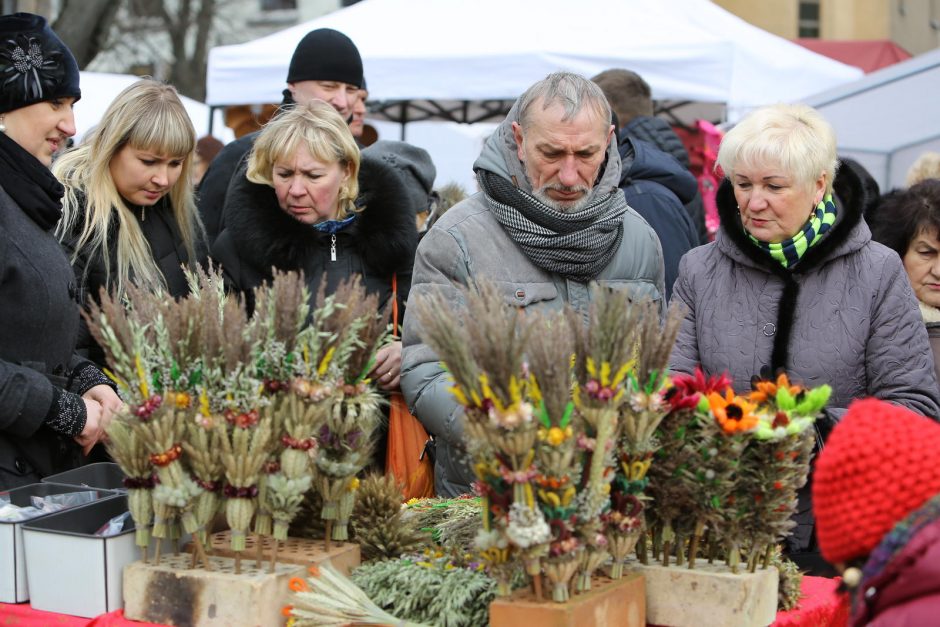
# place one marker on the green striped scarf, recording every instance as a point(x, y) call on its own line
point(789, 252)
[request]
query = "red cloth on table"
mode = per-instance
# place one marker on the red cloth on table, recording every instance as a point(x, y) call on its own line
point(819, 607)
point(23, 615)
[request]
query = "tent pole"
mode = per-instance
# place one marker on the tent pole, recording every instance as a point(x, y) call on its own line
point(403, 117)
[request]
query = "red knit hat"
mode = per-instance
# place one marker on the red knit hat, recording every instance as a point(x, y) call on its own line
point(880, 463)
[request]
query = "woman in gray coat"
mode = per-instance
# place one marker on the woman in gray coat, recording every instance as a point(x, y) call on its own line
point(793, 281)
point(51, 403)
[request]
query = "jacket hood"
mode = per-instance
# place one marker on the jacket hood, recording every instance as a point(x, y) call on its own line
point(643, 161)
point(500, 156)
point(849, 233)
point(384, 234)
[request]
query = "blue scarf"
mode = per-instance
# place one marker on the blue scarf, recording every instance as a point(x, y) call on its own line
point(335, 226)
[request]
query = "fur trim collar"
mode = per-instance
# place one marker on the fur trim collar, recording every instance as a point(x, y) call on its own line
point(931, 315)
point(385, 235)
point(845, 236)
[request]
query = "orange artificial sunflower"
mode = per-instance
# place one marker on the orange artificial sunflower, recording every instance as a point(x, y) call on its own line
point(765, 390)
point(733, 413)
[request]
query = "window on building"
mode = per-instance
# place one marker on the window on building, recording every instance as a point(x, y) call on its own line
point(808, 25)
point(278, 5)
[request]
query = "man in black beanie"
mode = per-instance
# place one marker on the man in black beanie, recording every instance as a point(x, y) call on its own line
point(326, 65)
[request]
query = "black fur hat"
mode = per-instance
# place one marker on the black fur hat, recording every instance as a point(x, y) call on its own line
point(35, 65)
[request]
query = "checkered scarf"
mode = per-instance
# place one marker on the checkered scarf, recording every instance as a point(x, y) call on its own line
point(577, 246)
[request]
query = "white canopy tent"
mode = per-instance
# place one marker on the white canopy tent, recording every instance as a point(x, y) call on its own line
point(100, 89)
point(450, 53)
point(888, 118)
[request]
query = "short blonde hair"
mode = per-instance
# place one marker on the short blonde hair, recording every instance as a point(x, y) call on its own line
point(926, 167)
point(325, 134)
point(793, 136)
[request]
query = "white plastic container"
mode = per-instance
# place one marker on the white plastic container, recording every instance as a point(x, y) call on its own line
point(70, 569)
point(102, 475)
point(13, 582)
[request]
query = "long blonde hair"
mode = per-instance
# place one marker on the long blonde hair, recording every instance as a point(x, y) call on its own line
point(147, 115)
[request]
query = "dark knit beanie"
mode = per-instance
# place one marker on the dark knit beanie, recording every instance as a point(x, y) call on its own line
point(413, 165)
point(34, 63)
point(880, 463)
point(325, 54)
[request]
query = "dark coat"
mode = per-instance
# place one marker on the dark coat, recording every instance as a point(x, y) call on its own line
point(259, 235)
point(658, 132)
point(656, 186)
point(37, 338)
point(902, 588)
point(162, 233)
point(210, 194)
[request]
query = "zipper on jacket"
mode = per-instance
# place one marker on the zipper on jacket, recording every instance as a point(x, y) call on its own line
point(333, 247)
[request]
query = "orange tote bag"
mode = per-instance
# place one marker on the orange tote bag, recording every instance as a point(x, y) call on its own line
point(405, 457)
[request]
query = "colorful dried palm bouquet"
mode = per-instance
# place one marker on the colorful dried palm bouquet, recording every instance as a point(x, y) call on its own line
point(542, 395)
point(185, 369)
point(223, 406)
point(678, 464)
point(604, 359)
point(640, 416)
point(153, 348)
point(559, 455)
point(340, 354)
point(734, 465)
point(482, 346)
point(280, 312)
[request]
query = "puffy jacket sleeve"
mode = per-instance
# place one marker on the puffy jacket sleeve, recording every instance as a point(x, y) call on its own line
point(440, 266)
point(899, 362)
point(685, 355)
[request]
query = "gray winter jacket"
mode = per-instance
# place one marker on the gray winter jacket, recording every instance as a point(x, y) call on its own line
point(845, 315)
point(468, 242)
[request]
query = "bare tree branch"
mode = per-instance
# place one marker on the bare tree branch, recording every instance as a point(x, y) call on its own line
point(84, 26)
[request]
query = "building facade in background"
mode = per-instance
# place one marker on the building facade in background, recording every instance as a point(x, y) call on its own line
point(912, 24)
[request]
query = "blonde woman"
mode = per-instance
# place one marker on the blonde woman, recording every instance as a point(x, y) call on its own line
point(129, 214)
point(307, 200)
point(794, 282)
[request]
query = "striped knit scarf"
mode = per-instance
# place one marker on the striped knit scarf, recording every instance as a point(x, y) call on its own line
point(789, 252)
point(575, 245)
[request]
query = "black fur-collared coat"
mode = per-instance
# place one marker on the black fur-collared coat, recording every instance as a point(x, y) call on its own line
point(258, 236)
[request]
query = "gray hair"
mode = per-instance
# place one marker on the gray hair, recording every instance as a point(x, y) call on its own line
point(571, 91)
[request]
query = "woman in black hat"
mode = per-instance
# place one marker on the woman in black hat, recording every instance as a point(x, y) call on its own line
point(52, 404)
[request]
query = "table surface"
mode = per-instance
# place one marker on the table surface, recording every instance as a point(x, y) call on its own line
point(819, 607)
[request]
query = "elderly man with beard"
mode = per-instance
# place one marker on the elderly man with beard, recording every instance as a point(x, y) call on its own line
point(549, 221)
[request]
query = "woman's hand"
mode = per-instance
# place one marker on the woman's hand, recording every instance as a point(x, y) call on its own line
point(94, 430)
point(387, 370)
point(109, 403)
point(106, 396)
